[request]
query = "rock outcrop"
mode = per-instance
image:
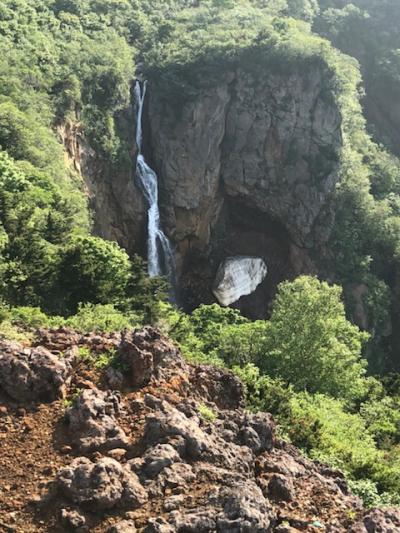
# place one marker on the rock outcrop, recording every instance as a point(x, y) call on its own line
point(246, 167)
point(100, 486)
point(146, 354)
point(32, 374)
point(92, 421)
point(379, 520)
point(120, 211)
point(145, 458)
point(271, 139)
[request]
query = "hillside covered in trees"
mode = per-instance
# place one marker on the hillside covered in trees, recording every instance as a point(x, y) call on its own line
point(274, 130)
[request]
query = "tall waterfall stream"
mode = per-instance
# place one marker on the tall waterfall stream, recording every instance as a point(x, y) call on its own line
point(160, 256)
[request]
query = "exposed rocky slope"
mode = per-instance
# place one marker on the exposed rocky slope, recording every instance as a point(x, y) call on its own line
point(152, 444)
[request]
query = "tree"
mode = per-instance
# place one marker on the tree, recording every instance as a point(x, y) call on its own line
point(144, 294)
point(311, 344)
point(303, 9)
point(209, 322)
point(93, 270)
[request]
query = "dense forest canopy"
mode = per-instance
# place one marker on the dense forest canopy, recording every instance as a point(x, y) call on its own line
point(66, 60)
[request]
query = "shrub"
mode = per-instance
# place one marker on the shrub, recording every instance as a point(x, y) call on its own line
point(206, 413)
point(321, 426)
point(103, 318)
point(33, 317)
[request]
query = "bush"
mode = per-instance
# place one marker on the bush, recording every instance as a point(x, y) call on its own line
point(206, 413)
point(264, 393)
point(382, 417)
point(321, 426)
point(367, 490)
point(102, 318)
point(33, 317)
point(93, 270)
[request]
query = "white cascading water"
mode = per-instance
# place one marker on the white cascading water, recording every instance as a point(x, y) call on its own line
point(160, 257)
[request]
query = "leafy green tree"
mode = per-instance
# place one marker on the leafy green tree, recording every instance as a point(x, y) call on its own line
point(93, 270)
point(240, 344)
point(311, 344)
point(145, 295)
point(36, 217)
point(303, 9)
point(209, 322)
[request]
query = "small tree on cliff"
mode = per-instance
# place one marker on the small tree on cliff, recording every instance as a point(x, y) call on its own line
point(311, 344)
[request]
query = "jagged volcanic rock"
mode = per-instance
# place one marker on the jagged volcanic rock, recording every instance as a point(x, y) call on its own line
point(100, 486)
point(379, 521)
point(170, 470)
point(92, 421)
point(125, 526)
point(147, 354)
point(32, 374)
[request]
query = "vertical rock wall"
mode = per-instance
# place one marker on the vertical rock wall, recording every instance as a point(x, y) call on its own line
point(246, 168)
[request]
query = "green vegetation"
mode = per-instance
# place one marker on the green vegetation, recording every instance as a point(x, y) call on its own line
point(73, 61)
point(207, 414)
point(367, 29)
point(68, 61)
point(310, 342)
point(98, 361)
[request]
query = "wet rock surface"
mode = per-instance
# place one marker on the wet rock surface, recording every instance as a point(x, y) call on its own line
point(144, 459)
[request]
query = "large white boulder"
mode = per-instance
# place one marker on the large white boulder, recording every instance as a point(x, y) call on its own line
point(237, 277)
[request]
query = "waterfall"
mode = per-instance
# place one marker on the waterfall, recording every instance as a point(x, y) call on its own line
point(160, 257)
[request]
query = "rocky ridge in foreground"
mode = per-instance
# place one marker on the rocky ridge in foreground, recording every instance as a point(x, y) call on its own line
point(152, 444)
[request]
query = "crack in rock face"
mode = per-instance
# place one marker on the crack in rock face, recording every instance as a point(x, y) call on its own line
point(237, 277)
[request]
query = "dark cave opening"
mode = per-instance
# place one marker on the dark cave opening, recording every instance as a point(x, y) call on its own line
point(241, 230)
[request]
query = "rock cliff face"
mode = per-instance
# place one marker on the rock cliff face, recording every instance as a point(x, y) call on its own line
point(117, 203)
point(245, 167)
point(172, 450)
point(270, 141)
